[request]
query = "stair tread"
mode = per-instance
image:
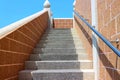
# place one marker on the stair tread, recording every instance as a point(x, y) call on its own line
point(59, 70)
point(64, 61)
point(76, 53)
point(61, 48)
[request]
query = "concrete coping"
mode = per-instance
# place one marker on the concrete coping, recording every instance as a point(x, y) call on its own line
point(14, 26)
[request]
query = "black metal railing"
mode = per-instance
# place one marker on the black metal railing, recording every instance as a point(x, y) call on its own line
point(108, 43)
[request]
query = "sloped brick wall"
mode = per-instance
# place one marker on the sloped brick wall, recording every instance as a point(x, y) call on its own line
point(83, 7)
point(63, 23)
point(16, 47)
point(109, 26)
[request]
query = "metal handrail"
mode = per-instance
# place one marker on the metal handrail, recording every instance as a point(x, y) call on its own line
point(108, 43)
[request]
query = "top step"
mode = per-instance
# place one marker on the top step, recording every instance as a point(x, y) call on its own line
point(60, 31)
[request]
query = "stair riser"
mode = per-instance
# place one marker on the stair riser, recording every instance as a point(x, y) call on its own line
point(60, 38)
point(58, 46)
point(63, 76)
point(68, 35)
point(57, 57)
point(60, 30)
point(61, 34)
point(69, 31)
point(59, 76)
point(57, 39)
point(31, 65)
point(25, 76)
point(37, 51)
point(60, 42)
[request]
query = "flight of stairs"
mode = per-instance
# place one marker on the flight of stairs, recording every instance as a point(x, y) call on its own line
point(58, 56)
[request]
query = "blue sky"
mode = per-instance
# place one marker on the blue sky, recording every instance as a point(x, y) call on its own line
point(14, 10)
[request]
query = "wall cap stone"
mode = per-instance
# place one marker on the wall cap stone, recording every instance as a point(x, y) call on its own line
point(14, 26)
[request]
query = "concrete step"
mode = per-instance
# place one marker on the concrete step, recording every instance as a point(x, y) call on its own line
point(61, 41)
point(61, 32)
point(73, 74)
point(66, 42)
point(55, 29)
point(61, 38)
point(56, 39)
point(58, 56)
point(60, 35)
point(58, 50)
point(72, 64)
point(59, 46)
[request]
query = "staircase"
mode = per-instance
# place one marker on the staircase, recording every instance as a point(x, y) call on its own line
point(58, 56)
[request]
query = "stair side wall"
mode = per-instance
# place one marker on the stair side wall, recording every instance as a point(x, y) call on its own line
point(16, 47)
point(109, 26)
point(84, 8)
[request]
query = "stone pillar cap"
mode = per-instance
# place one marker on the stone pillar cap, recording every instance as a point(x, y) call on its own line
point(47, 4)
point(74, 3)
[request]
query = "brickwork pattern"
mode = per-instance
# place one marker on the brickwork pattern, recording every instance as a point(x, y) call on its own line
point(16, 47)
point(83, 7)
point(109, 26)
point(63, 23)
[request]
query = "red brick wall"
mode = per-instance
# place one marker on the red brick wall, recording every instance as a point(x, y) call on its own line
point(16, 47)
point(62, 23)
point(83, 7)
point(109, 26)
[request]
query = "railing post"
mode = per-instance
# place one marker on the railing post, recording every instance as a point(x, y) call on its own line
point(94, 38)
point(73, 13)
point(47, 7)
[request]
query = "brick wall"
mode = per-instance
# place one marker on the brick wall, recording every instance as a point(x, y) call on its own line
point(62, 23)
point(16, 47)
point(109, 26)
point(83, 7)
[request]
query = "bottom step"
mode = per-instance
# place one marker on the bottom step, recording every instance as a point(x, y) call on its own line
point(57, 75)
